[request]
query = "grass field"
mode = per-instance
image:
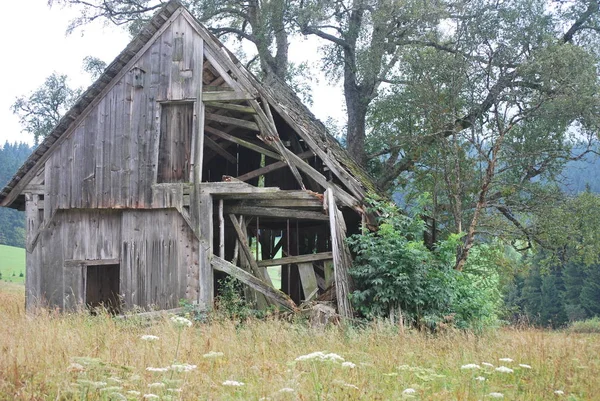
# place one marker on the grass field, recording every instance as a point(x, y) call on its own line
point(49, 356)
point(12, 264)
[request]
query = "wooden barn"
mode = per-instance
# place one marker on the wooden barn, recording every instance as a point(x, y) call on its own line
point(177, 167)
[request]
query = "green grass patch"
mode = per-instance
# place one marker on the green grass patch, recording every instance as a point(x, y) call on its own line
point(12, 264)
point(585, 326)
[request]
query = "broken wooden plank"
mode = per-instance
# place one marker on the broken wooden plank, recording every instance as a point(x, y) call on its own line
point(231, 106)
point(242, 142)
point(270, 168)
point(276, 212)
point(308, 280)
point(232, 121)
point(243, 241)
point(224, 96)
point(271, 293)
point(341, 259)
point(288, 260)
point(242, 189)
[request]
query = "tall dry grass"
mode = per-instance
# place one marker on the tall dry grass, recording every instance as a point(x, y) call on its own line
point(50, 356)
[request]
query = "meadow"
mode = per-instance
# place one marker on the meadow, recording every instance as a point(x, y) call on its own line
point(12, 264)
point(51, 356)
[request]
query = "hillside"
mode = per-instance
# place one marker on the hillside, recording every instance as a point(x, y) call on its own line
point(12, 264)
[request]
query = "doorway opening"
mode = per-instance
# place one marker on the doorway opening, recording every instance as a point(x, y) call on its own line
point(102, 288)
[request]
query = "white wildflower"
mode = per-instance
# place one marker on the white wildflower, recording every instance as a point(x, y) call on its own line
point(174, 390)
point(117, 397)
point(151, 369)
point(559, 392)
point(213, 354)
point(75, 367)
point(232, 383)
point(156, 385)
point(183, 367)
point(98, 384)
point(133, 392)
point(181, 321)
point(496, 395)
point(524, 366)
point(150, 397)
point(352, 386)
point(504, 369)
point(348, 364)
point(287, 390)
point(409, 391)
point(470, 366)
point(320, 356)
point(487, 364)
point(505, 360)
point(480, 378)
point(149, 337)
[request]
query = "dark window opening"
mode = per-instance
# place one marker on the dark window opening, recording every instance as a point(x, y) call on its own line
point(175, 144)
point(102, 288)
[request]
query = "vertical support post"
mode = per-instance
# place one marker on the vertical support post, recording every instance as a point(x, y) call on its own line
point(221, 231)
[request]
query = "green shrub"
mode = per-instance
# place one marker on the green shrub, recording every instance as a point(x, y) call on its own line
point(585, 326)
point(395, 274)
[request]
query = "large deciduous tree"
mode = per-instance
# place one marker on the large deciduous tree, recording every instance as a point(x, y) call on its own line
point(41, 111)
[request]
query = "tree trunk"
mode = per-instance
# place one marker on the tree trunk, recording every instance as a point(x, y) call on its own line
point(357, 117)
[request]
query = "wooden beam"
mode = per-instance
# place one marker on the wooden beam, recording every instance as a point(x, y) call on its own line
point(269, 193)
point(231, 106)
point(271, 137)
point(276, 212)
point(234, 188)
point(296, 259)
point(226, 96)
point(315, 203)
point(271, 167)
point(232, 121)
point(271, 293)
point(217, 148)
point(241, 142)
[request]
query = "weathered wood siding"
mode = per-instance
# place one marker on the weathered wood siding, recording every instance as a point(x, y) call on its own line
point(159, 264)
point(110, 158)
point(156, 250)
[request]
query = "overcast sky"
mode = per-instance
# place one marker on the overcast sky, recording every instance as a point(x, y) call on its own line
point(35, 45)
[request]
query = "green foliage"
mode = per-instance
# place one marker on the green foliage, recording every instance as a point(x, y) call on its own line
point(395, 272)
point(41, 111)
point(230, 302)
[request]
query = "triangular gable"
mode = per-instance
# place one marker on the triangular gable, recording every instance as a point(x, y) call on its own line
point(278, 96)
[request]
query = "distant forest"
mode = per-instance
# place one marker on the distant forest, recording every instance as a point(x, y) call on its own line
point(12, 222)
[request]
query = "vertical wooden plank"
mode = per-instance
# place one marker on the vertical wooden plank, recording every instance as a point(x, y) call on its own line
point(198, 153)
point(206, 290)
